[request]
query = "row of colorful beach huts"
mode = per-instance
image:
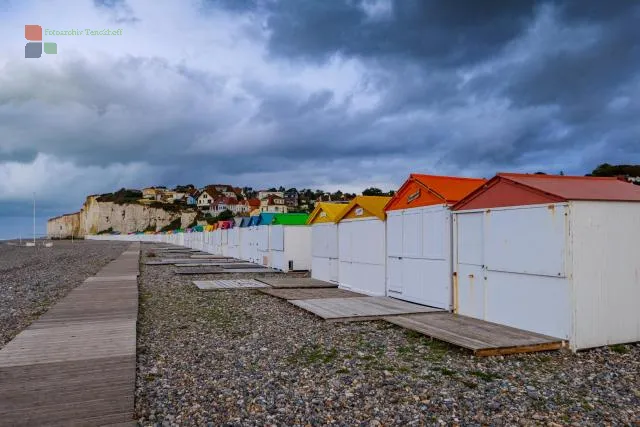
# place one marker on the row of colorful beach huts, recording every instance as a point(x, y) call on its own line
point(556, 255)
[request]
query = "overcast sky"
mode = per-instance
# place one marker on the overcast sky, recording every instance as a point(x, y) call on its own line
point(331, 94)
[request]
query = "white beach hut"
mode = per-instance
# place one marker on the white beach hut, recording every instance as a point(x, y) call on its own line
point(324, 240)
point(419, 230)
point(361, 245)
point(555, 255)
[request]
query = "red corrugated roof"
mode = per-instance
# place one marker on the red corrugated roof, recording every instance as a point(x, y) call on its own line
point(578, 187)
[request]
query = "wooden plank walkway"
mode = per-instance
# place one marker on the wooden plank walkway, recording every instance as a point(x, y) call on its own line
point(360, 308)
point(481, 337)
point(206, 256)
point(219, 270)
point(171, 261)
point(76, 364)
point(310, 293)
point(296, 282)
point(220, 285)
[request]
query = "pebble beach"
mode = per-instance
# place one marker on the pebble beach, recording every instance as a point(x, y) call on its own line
point(245, 358)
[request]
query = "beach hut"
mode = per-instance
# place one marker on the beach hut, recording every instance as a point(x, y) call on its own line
point(244, 239)
point(419, 233)
point(551, 254)
point(324, 240)
point(223, 236)
point(251, 235)
point(361, 245)
point(262, 238)
point(290, 242)
point(233, 246)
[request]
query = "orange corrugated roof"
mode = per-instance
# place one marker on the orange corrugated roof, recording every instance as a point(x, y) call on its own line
point(450, 188)
point(373, 204)
point(439, 190)
point(578, 187)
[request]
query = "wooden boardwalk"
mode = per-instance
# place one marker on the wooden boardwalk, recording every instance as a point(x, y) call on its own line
point(76, 364)
point(481, 337)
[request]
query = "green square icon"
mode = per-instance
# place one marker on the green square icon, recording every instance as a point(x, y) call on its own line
point(50, 48)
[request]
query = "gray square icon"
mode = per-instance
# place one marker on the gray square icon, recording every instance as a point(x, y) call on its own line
point(33, 50)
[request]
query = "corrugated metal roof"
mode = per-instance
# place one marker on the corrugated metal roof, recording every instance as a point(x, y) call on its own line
point(450, 188)
point(290, 219)
point(512, 189)
point(579, 187)
point(332, 210)
point(373, 204)
point(439, 190)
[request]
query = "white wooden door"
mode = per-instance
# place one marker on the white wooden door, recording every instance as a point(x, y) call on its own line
point(470, 289)
point(394, 253)
point(345, 255)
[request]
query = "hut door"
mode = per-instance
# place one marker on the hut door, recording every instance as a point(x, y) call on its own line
point(394, 253)
point(470, 275)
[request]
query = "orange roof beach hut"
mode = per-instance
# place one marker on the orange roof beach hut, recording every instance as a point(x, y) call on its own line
point(419, 230)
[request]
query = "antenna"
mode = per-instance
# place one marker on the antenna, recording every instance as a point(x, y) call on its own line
point(34, 218)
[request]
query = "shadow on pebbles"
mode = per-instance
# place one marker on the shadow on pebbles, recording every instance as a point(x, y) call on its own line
point(245, 358)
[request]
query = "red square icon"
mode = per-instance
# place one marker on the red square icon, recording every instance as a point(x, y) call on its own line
point(33, 33)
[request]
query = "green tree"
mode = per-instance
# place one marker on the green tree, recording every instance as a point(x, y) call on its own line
point(372, 192)
point(225, 215)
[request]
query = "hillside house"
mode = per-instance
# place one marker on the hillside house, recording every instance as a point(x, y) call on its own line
point(205, 200)
point(152, 193)
point(273, 203)
point(265, 193)
point(178, 195)
point(250, 204)
point(232, 204)
point(221, 190)
point(168, 196)
point(291, 198)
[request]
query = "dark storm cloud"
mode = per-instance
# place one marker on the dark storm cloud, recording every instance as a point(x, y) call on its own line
point(436, 86)
point(442, 33)
point(557, 98)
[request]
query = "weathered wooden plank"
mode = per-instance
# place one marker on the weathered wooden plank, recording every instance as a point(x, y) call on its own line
point(169, 261)
point(481, 337)
point(359, 308)
point(217, 285)
point(310, 293)
point(207, 256)
point(227, 265)
point(221, 270)
point(296, 282)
